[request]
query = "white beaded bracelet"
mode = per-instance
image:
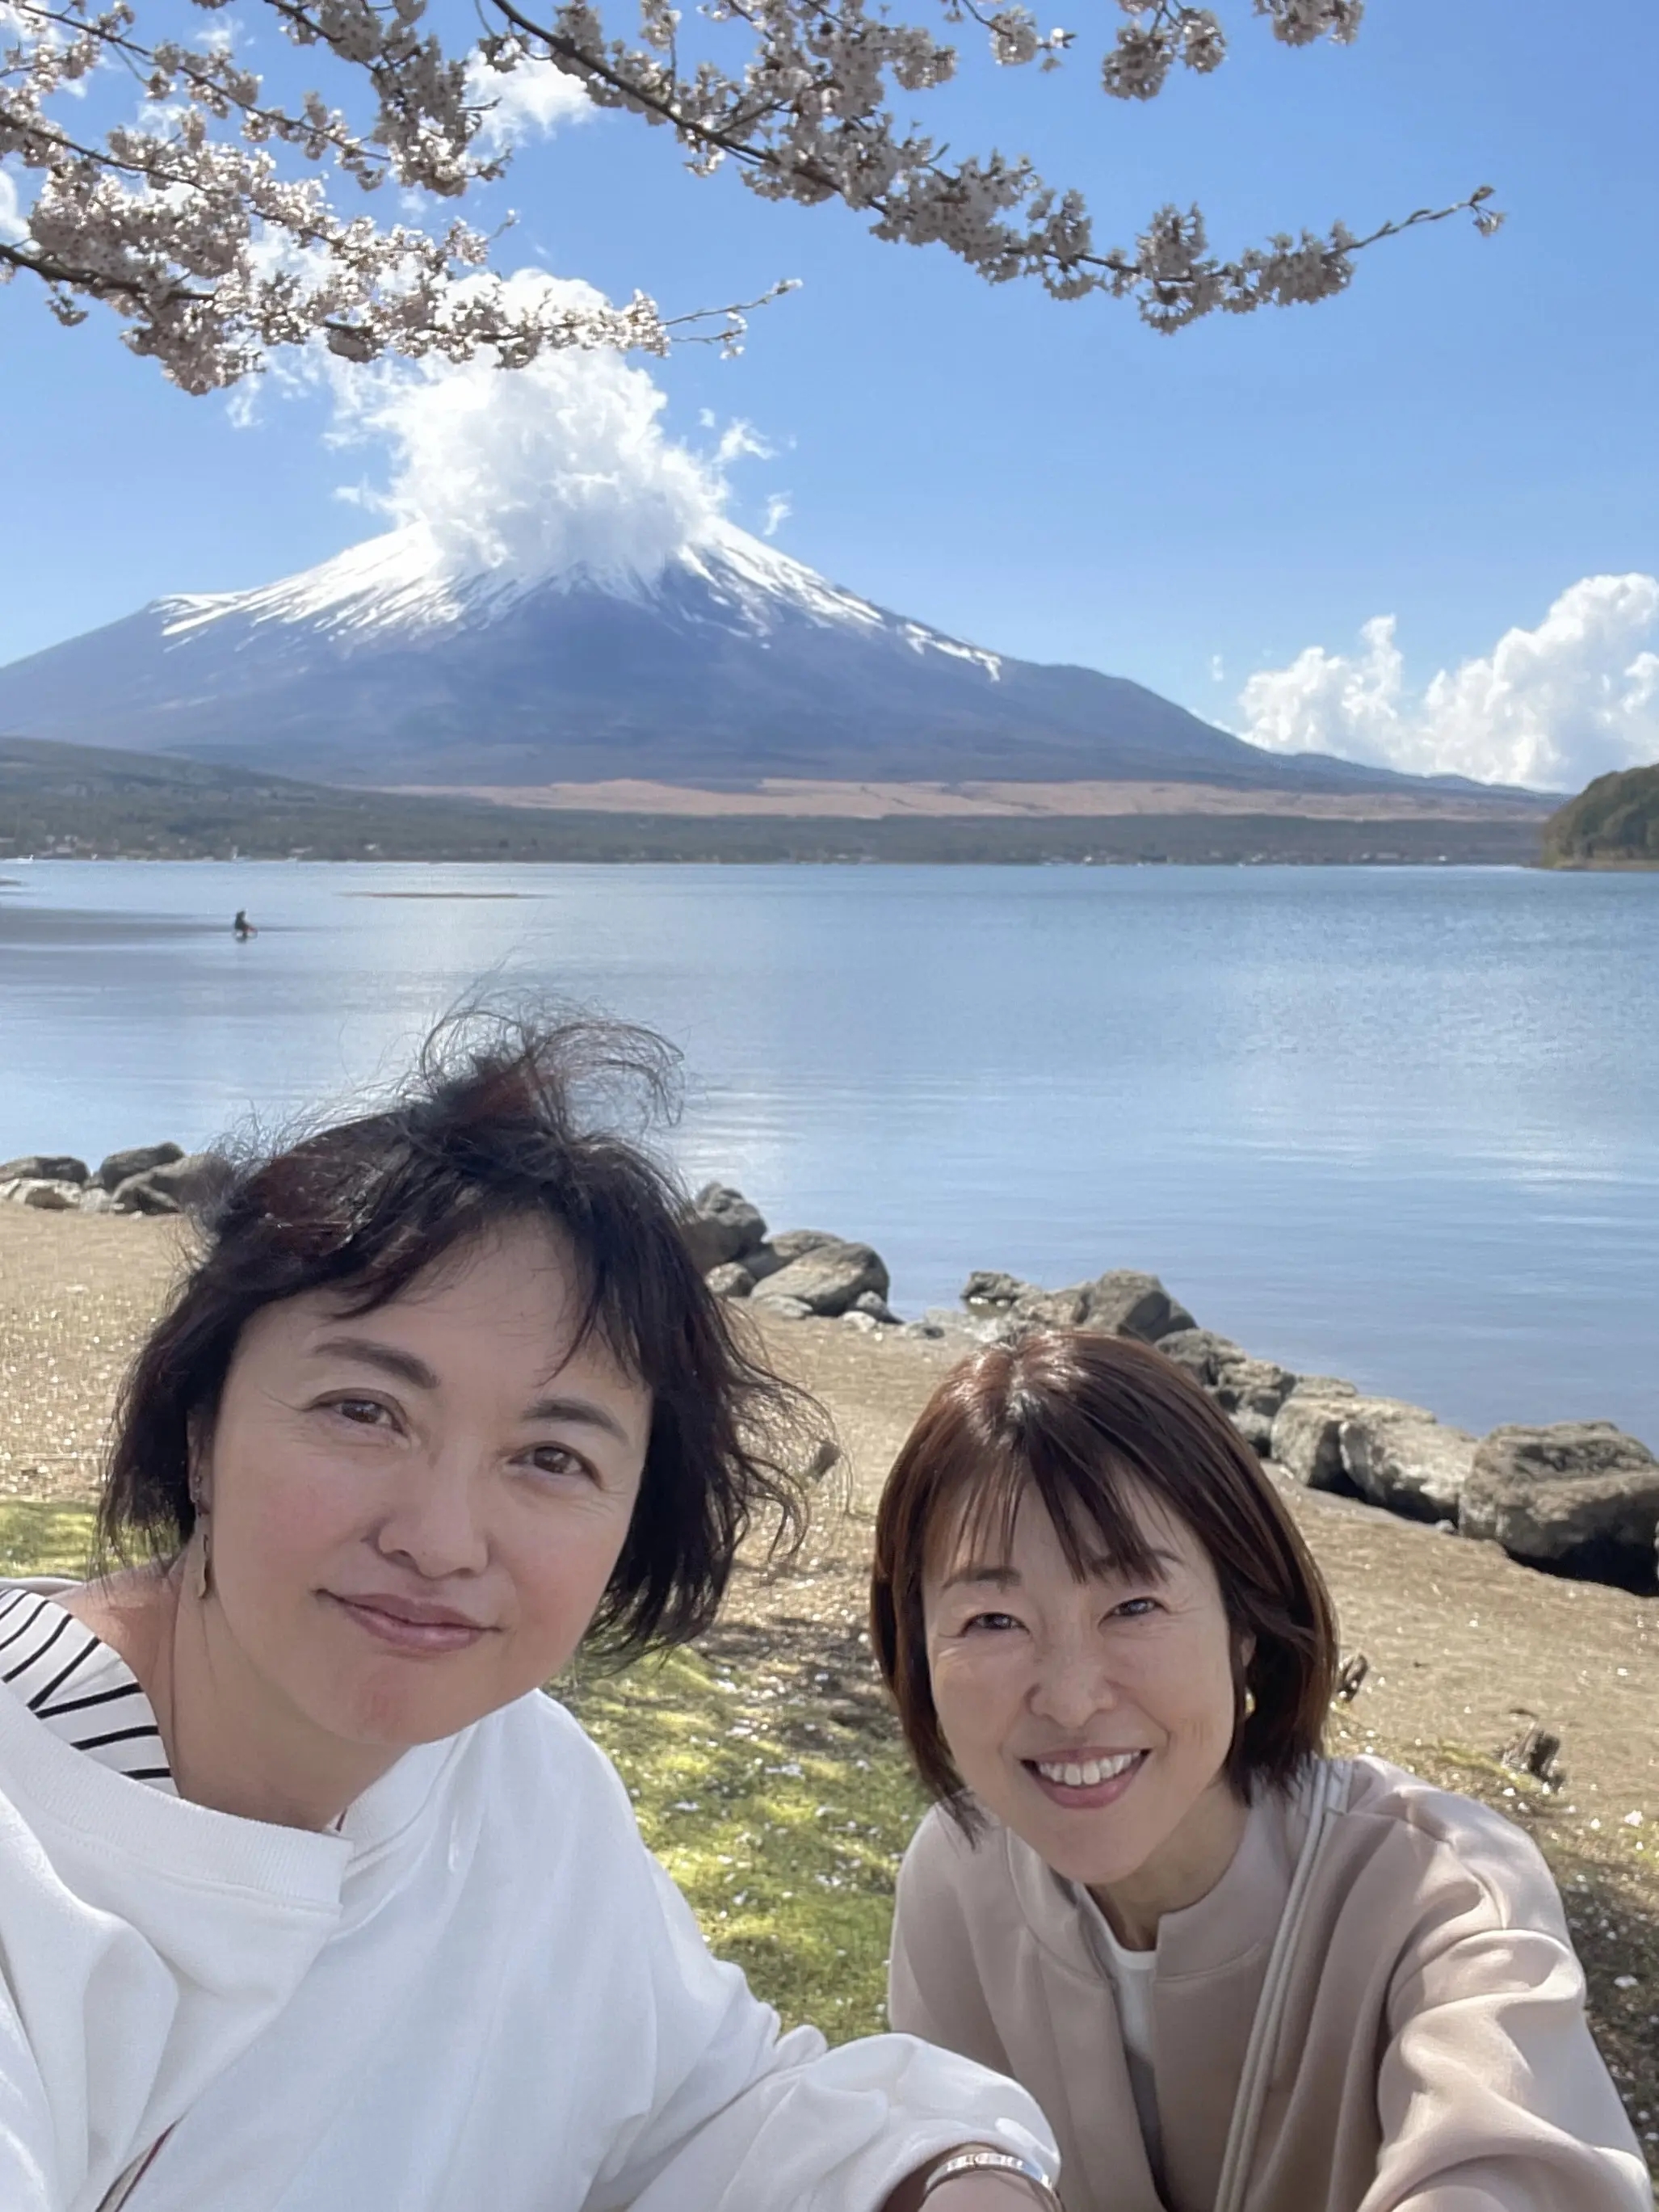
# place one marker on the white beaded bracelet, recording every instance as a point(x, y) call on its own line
point(993, 2161)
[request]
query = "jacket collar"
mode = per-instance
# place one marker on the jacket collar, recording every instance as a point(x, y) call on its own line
point(1223, 1929)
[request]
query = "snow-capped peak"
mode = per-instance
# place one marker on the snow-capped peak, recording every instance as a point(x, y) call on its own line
point(404, 582)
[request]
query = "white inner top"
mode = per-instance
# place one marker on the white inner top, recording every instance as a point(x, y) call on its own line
point(1131, 1974)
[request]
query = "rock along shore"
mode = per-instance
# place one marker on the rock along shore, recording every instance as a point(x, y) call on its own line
point(1573, 1497)
point(1579, 1498)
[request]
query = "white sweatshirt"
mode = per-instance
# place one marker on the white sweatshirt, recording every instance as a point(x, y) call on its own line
point(483, 1996)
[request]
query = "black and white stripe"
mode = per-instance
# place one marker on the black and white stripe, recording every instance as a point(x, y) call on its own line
point(77, 1686)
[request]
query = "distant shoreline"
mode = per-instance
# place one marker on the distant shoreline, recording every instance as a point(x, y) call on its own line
point(367, 834)
point(79, 802)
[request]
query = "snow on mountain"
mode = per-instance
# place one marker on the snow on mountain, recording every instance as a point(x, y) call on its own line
point(731, 663)
point(399, 584)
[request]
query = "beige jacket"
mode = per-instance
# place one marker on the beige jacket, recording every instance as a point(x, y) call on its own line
point(1434, 2055)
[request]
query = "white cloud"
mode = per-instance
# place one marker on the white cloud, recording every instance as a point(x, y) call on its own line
point(738, 442)
point(527, 101)
point(778, 511)
point(1551, 707)
point(561, 465)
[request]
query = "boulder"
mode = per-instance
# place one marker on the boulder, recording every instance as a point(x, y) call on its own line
point(95, 1200)
point(1129, 1303)
point(1402, 1458)
point(1306, 1438)
point(1036, 1309)
point(867, 1322)
point(785, 1309)
point(1250, 1393)
point(826, 1278)
point(1202, 1352)
point(43, 1167)
point(731, 1279)
point(50, 1197)
point(1121, 1302)
point(138, 1160)
point(1581, 1497)
point(175, 1186)
point(720, 1224)
point(872, 1302)
point(794, 1241)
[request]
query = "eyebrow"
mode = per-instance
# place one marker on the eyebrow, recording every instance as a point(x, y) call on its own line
point(1005, 1578)
point(367, 1352)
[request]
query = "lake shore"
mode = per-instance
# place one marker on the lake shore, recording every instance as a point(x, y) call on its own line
point(1465, 1647)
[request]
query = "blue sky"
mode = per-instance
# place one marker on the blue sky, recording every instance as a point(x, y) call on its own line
point(1459, 441)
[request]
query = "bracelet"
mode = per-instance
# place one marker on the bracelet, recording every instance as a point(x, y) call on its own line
point(993, 2161)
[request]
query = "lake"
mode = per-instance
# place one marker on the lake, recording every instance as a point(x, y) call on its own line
point(1400, 1125)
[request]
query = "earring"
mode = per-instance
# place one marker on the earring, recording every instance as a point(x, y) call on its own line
point(1250, 1703)
point(204, 1561)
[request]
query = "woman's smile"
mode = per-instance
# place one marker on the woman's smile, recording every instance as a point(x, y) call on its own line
point(1084, 1781)
point(410, 1625)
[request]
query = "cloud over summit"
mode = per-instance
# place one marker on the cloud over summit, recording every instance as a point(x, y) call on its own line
point(1550, 707)
point(561, 465)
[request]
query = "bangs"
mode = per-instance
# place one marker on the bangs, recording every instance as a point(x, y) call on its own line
point(1082, 1481)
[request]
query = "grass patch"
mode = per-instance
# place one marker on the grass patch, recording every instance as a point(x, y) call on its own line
point(780, 1805)
point(38, 1538)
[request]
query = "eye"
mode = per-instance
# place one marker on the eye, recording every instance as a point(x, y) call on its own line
point(562, 1464)
point(1135, 1608)
point(361, 1412)
point(993, 1624)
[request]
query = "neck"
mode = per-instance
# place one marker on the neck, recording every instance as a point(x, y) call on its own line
point(233, 1742)
point(1185, 1868)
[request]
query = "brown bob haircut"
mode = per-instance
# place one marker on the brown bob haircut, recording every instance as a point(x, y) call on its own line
point(506, 1119)
point(1065, 1416)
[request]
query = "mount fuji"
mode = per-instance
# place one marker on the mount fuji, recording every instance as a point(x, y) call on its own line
point(395, 664)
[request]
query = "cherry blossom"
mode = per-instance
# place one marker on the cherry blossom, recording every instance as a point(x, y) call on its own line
point(222, 222)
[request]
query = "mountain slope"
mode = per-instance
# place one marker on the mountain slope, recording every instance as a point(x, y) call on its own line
point(1612, 823)
point(390, 665)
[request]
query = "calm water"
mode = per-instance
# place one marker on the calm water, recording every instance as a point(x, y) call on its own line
point(1402, 1125)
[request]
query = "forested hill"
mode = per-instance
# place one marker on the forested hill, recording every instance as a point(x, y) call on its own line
point(1613, 822)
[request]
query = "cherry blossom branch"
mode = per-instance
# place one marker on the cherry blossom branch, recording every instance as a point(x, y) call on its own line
point(192, 225)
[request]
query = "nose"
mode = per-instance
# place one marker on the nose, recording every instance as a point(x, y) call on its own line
point(432, 1522)
point(1073, 1682)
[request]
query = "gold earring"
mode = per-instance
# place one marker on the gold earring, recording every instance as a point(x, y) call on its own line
point(1250, 1703)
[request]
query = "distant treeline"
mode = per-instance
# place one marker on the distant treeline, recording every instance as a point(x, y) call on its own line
point(82, 802)
point(1612, 823)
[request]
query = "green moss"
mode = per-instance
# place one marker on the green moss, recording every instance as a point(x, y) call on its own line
point(786, 1847)
point(37, 1538)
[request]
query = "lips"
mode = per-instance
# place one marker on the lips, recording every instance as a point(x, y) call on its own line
point(411, 1624)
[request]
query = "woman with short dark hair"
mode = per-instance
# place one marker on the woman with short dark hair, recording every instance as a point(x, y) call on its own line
point(1239, 1976)
point(310, 1900)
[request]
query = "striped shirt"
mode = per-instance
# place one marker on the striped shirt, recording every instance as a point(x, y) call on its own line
point(81, 1689)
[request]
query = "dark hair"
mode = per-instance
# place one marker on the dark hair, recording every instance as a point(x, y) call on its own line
point(1067, 1414)
point(498, 1124)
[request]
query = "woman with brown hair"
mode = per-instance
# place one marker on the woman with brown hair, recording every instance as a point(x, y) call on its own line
point(1239, 1976)
point(310, 1900)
